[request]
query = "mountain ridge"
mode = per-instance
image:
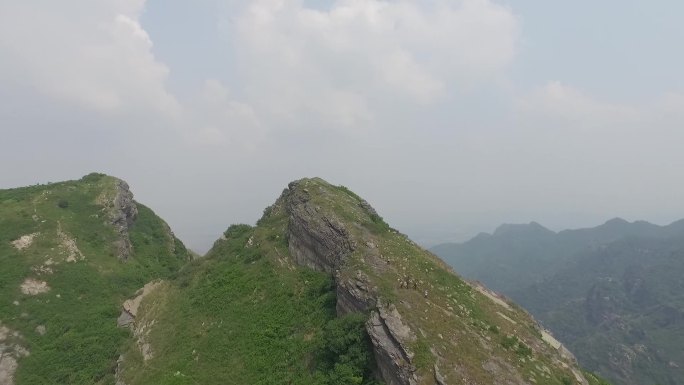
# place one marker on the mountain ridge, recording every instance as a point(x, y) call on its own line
point(70, 253)
point(611, 292)
point(320, 291)
point(408, 298)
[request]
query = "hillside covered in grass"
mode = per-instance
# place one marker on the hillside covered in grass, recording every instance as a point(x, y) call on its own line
point(70, 254)
point(95, 289)
point(323, 291)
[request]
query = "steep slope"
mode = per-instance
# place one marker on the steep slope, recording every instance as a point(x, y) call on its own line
point(70, 253)
point(323, 291)
point(614, 293)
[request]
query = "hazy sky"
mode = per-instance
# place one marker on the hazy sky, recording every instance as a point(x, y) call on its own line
point(449, 116)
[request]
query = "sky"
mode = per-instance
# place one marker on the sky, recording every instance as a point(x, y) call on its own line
point(449, 116)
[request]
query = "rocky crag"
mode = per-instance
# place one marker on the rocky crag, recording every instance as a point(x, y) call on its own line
point(95, 289)
point(422, 324)
point(364, 259)
point(123, 214)
point(70, 254)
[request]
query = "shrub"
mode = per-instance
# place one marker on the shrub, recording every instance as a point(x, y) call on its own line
point(345, 354)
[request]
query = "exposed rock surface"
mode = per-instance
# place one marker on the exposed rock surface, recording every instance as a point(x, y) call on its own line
point(24, 241)
point(503, 372)
point(141, 328)
point(41, 330)
point(69, 245)
point(439, 378)
point(8, 365)
point(354, 294)
point(118, 376)
point(325, 234)
point(322, 242)
point(318, 241)
point(131, 306)
point(123, 214)
point(32, 286)
point(11, 350)
point(369, 209)
point(390, 339)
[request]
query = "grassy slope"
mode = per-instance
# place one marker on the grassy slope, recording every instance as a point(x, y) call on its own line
point(456, 320)
point(79, 313)
point(245, 315)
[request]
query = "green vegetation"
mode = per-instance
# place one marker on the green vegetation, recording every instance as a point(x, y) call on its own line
point(81, 342)
point(345, 354)
point(450, 311)
point(245, 315)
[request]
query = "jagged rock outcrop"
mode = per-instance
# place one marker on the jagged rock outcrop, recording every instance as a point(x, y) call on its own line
point(60, 248)
point(131, 306)
point(390, 337)
point(318, 241)
point(354, 294)
point(322, 242)
point(247, 313)
point(418, 310)
point(123, 215)
point(141, 329)
point(129, 318)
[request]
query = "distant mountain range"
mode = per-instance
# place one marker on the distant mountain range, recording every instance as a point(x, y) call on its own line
point(614, 294)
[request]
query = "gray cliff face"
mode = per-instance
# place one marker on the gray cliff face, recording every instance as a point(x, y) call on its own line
point(354, 294)
point(390, 337)
point(315, 240)
point(323, 243)
point(123, 215)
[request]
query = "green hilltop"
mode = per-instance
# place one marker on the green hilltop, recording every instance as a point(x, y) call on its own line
point(323, 291)
point(95, 289)
point(63, 276)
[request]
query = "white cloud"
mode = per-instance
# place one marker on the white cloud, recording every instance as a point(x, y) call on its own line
point(348, 68)
point(400, 100)
point(567, 110)
point(620, 151)
point(560, 106)
point(215, 118)
point(344, 64)
point(94, 54)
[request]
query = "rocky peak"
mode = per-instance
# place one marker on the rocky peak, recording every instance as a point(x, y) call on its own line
point(320, 240)
point(316, 240)
point(426, 325)
point(122, 215)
